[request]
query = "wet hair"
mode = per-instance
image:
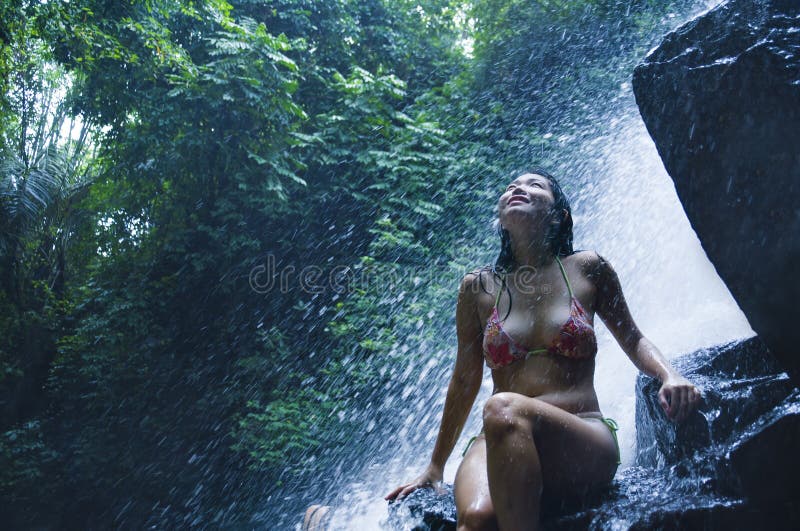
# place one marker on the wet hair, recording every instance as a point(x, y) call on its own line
point(560, 239)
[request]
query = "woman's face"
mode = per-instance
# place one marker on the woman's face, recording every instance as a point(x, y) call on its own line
point(529, 194)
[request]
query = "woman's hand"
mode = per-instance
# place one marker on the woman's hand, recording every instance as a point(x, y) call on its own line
point(432, 477)
point(678, 397)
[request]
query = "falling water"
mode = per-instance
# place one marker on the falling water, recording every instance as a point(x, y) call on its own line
point(625, 207)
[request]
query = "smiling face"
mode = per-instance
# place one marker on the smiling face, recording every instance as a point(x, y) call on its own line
point(528, 194)
point(532, 204)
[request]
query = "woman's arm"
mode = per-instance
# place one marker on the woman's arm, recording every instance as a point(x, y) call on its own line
point(465, 383)
point(678, 396)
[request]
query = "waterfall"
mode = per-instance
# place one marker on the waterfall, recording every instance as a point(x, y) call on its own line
point(626, 208)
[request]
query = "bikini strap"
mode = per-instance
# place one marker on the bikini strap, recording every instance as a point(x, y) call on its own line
point(564, 272)
point(536, 351)
point(614, 427)
point(500, 291)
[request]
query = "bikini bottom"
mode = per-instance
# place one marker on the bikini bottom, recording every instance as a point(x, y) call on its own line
point(611, 423)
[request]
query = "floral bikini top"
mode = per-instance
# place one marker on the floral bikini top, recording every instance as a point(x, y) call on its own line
point(575, 339)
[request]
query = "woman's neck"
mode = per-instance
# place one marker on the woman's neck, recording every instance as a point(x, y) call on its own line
point(532, 252)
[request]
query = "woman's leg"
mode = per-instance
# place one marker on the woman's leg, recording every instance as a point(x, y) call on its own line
point(532, 445)
point(471, 489)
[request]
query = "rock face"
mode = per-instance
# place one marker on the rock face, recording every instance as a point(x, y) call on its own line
point(733, 465)
point(742, 444)
point(424, 510)
point(721, 99)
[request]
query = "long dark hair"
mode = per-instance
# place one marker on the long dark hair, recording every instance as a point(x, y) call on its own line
point(560, 238)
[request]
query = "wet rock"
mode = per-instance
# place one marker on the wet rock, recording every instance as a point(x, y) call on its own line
point(721, 99)
point(765, 462)
point(741, 443)
point(425, 510)
point(639, 498)
point(742, 383)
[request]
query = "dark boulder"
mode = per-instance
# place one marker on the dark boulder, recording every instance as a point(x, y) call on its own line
point(425, 510)
point(721, 99)
point(765, 463)
point(742, 442)
point(741, 382)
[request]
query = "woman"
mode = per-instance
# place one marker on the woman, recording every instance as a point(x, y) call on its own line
point(543, 432)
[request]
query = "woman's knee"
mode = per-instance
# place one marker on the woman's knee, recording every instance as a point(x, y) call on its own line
point(502, 415)
point(477, 517)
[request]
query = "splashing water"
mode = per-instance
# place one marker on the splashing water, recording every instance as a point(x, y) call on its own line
point(626, 208)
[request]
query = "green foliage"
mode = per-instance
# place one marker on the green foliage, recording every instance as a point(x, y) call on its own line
point(285, 432)
point(23, 456)
point(560, 54)
point(45, 170)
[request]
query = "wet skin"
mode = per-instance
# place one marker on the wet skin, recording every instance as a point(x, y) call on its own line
point(541, 428)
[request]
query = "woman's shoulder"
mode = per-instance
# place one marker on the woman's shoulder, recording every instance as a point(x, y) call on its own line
point(479, 275)
point(591, 263)
point(479, 279)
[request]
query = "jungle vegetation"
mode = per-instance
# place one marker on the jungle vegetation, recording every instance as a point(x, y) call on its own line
point(162, 160)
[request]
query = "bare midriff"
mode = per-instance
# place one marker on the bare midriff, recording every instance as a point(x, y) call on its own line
point(565, 383)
